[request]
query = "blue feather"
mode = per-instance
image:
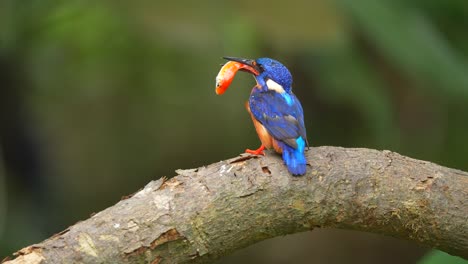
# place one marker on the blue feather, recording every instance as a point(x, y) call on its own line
point(294, 158)
point(288, 98)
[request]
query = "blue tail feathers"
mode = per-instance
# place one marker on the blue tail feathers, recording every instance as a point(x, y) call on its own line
point(294, 158)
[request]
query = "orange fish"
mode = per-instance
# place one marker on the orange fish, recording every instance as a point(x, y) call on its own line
point(227, 73)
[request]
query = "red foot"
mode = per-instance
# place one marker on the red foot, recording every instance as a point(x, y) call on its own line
point(258, 151)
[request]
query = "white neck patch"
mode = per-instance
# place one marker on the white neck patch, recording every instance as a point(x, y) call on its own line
point(272, 85)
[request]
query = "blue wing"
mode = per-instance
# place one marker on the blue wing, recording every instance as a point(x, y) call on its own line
point(280, 114)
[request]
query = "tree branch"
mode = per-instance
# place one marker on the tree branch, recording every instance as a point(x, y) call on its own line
point(206, 213)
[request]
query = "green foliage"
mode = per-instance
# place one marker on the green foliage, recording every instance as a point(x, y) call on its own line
point(439, 257)
point(409, 39)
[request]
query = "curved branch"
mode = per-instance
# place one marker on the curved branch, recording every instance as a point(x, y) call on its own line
point(206, 213)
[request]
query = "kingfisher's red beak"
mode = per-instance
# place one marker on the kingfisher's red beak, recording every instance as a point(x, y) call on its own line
point(252, 65)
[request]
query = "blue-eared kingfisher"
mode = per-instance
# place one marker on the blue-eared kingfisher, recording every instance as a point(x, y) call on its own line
point(276, 112)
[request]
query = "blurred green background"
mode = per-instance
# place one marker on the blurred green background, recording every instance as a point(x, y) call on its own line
point(97, 98)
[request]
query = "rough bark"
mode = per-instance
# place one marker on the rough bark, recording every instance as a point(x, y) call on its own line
point(206, 213)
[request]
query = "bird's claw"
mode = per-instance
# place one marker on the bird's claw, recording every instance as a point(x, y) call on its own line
point(258, 151)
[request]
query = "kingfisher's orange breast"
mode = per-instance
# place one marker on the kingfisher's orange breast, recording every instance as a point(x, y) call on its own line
point(267, 140)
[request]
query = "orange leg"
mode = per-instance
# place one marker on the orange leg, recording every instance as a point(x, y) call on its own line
point(258, 151)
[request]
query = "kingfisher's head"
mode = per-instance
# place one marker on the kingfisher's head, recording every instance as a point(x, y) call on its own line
point(269, 73)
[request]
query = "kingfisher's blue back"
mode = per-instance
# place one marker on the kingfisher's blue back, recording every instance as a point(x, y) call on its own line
point(273, 104)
